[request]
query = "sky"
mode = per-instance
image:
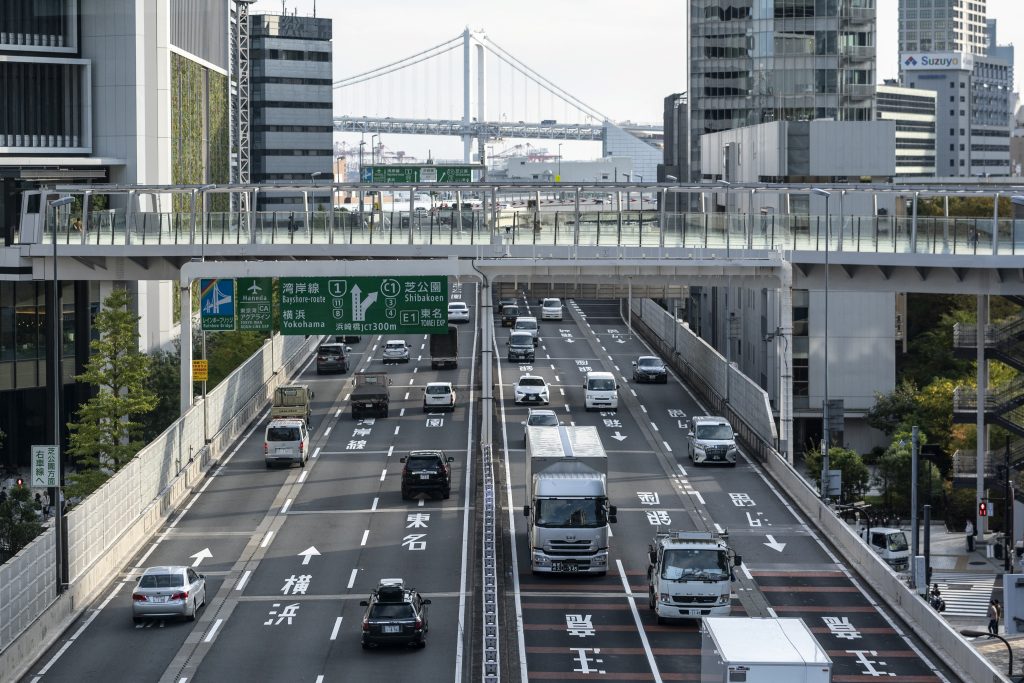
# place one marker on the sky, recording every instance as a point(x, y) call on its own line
point(620, 58)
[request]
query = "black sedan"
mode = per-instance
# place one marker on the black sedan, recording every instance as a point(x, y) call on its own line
point(506, 301)
point(650, 369)
point(394, 615)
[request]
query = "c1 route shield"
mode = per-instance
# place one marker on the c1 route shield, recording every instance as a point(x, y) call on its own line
point(364, 305)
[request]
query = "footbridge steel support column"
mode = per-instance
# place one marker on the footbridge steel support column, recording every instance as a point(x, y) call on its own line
point(486, 360)
point(185, 292)
point(982, 431)
point(785, 360)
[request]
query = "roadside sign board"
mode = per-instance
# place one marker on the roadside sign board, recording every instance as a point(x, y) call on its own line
point(418, 174)
point(44, 466)
point(364, 305)
point(217, 304)
point(200, 370)
point(255, 303)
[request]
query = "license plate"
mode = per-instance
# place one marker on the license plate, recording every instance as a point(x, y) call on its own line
point(424, 476)
point(564, 566)
point(690, 612)
point(387, 628)
point(158, 598)
point(281, 451)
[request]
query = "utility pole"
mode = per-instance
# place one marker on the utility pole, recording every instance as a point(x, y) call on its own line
point(1008, 511)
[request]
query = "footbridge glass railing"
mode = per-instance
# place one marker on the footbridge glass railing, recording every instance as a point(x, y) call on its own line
point(648, 228)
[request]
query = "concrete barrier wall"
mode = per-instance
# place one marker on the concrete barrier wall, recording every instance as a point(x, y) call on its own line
point(692, 362)
point(106, 529)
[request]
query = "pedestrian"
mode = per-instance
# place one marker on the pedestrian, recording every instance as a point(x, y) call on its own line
point(46, 503)
point(969, 531)
point(993, 617)
point(38, 502)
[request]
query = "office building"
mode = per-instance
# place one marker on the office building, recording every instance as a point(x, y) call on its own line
point(973, 86)
point(292, 103)
point(942, 26)
point(97, 91)
point(757, 62)
point(913, 111)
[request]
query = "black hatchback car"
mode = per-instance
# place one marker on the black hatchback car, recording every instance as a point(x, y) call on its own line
point(332, 358)
point(650, 369)
point(394, 615)
point(426, 472)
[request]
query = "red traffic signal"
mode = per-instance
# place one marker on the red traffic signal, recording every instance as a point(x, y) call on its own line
point(983, 509)
point(21, 482)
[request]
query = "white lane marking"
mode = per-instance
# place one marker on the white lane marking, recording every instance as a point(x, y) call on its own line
point(422, 346)
point(697, 493)
point(746, 572)
point(320, 678)
point(633, 391)
point(334, 634)
point(352, 578)
point(374, 348)
point(213, 631)
point(639, 624)
point(548, 356)
point(287, 504)
point(344, 399)
point(411, 381)
point(366, 535)
point(718, 528)
point(397, 427)
point(391, 449)
point(373, 506)
point(616, 368)
point(415, 370)
point(552, 366)
point(338, 414)
point(244, 580)
point(681, 469)
point(401, 413)
point(561, 390)
point(56, 656)
point(422, 501)
point(266, 539)
point(418, 358)
point(669, 449)
point(567, 407)
point(406, 396)
point(644, 408)
point(655, 426)
point(772, 612)
point(383, 473)
point(302, 476)
point(142, 560)
point(317, 452)
point(327, 431)
point(557, 378)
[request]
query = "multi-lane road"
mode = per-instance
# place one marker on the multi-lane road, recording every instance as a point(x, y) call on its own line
point(289, 553)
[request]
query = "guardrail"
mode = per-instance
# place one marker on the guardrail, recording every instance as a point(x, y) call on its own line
point(112, 523)
point(926, 623)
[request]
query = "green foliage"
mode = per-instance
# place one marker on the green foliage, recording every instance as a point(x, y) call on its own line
point(85, 481)
point(894, 474)
point(19, 522)
point(930, 346)
point(107, 433)
point(855, 473)
point(891, 410)
point(227, 350)
point(976, 207)
point(164, 380)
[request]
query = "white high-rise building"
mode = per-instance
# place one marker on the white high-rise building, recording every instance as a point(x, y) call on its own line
point(942, 26)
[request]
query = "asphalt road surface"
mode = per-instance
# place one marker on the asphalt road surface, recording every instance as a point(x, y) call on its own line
point(289, 553)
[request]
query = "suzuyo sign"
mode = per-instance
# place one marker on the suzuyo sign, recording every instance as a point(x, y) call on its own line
point(953, 61)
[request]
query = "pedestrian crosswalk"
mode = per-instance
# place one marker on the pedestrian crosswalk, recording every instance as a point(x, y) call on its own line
point(966, 594)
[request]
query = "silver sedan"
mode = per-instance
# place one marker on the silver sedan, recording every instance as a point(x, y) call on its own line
point(168, 592)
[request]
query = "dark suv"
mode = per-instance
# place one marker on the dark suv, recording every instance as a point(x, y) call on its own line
point(394, 614)
point(650, 369)
point(509, 313)
point(426, 472)
point(332, 358)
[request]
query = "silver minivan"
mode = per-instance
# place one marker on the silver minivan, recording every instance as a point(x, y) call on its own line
point(285, 442)
point(527, 324)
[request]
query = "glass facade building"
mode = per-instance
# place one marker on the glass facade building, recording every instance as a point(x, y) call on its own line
point(754, 61)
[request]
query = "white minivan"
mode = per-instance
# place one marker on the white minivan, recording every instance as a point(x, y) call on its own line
point(601, 391)
point(286, 441)
point(551, 309)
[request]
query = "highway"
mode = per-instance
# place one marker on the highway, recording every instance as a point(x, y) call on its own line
point(288, 553)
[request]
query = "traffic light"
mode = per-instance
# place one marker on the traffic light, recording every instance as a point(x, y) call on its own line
point(21, 482)
point(983, 508)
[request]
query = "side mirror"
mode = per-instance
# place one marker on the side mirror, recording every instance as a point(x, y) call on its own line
point(348, 349)
point(450, 459)
point(735, 435)
point(738, 561)
point(616, 387)
point(634, 364)
point(613, 519)
point(425, 602)
point(402, 459)
point(526, 510)
point(523, 423)
point(312, 396)
point(689, 434)
point(364, 603)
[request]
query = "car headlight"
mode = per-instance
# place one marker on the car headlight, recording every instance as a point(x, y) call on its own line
point(541, 559)
point(664, 597)
point(725, 597)
point(698, 447)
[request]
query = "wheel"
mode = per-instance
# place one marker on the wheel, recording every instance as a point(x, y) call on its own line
point(405, 494)
point(191, 616)
point(422, 644)
point(732, 464)
point(406, 360)
point(385, 412)
point(355, 414)
point(302, 461)
point(664, 380)
point(425, 409)
point(446, 494)
point(661, 620)
point(366, 646)
point(136, 620)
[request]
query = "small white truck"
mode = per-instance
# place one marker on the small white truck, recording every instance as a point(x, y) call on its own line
point(690, 575)
point(761, 650)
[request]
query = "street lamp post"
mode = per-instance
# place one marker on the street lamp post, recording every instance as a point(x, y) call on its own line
point(825, 441)
point(560, 161)
point(373, 148)
point(971, 633)
point(57, 355)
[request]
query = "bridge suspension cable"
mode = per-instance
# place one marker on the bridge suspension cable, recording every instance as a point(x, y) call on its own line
point(423, 56)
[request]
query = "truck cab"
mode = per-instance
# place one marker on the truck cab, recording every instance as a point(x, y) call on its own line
point(690, 575)
point(890, 544)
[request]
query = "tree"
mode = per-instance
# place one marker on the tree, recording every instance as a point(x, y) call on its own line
point(891, 410)
point(855, 473)
point(165, 380)
point(19, 522)
point(107, 434)
point(894, 474)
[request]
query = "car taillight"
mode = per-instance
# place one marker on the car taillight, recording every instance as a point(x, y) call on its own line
point(138, 597)
point(266, 448)
point(419, 623)
point(301, 447)
point(366, 624)
point(179, 595)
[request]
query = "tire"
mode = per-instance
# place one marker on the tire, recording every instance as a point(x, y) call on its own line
point(405, 494)
point(663, 380)
point(425, 409)
point(661, 620)
point(384, 413)
point(302, 461)
point(268, 465)
point(355, 414)
point(422, 643)
point(136, 620)
point(446, 494)
point(366, 646)
point(192, 615)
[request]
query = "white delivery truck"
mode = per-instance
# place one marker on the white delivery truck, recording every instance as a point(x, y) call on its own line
point(761, 650)
point(567, 500)
point(690, 575)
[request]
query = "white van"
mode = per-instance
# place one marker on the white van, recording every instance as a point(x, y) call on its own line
point(286, 441)
point(601, 391)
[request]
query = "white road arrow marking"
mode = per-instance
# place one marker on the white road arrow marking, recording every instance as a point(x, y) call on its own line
point(619, 437)
point(620, 341)
point(569, 341)
point(773, 544)
point(200, 556)
point(308, 553)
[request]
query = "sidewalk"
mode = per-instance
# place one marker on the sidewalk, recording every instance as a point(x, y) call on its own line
point(974, 573)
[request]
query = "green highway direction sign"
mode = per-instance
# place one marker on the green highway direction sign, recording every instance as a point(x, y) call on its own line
point(418, 174)
point(217, 305)
point(364, 305)
point(255, 305)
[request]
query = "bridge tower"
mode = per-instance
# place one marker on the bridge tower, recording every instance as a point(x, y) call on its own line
point(471, 39)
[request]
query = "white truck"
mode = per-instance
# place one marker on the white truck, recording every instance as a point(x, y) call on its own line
point(761, 650)
point(890, 544)
point(567, 500)
point(690, 575)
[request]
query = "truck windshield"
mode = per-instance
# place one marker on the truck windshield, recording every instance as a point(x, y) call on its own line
point(714, 432)
point(898, 541)
point(579, 513)
point(680, 565)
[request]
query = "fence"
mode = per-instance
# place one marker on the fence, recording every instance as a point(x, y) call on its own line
point(111, 524)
